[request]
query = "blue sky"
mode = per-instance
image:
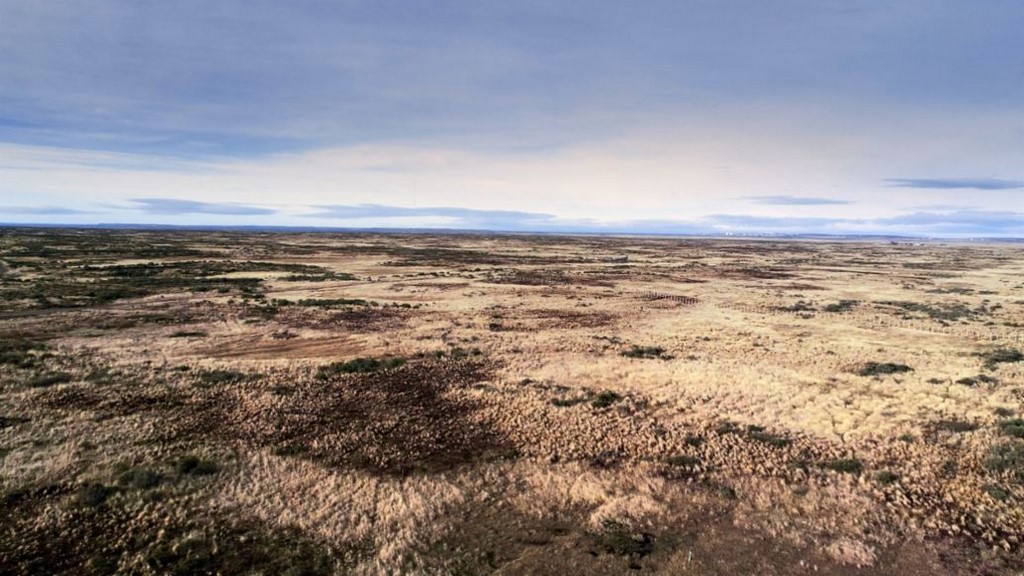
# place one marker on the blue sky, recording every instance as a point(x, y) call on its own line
point(901, 117)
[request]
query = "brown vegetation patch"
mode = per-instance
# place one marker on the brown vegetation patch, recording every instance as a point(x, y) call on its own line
point(356, 319)
point(395, 421)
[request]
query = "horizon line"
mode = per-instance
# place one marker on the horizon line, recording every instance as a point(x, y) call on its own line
point(128, 226)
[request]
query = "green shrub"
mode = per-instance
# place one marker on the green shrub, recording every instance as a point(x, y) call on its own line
point(761, 435)
point(682, 460)
point(50, 379)
point(220, 376)
point(94, 494)
point(566, 402)
point(656, 352)
point(994, 358)
point(845, 465)
point(192, 465)
point(291, 450)
point(1013, 427)
point(727, 427)
point(606, 399)
point(883, 368)
point(141, 478)
point(358, 366)
point(331, 302)
point(20, 352)
point(955, 426)
point(886, 477)
point(841, 306)
point(996, 492)
point(618, 538)
point(1008, 457)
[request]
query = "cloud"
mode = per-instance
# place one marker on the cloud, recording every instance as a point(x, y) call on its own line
point(957, 183)
point(795, 200)
point(41, 210)
point(172, 206)
point(255, 74)
point(953, 223)
point(960, 222)
point(456, 217)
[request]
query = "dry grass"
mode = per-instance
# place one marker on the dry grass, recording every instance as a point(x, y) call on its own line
point(562, 405)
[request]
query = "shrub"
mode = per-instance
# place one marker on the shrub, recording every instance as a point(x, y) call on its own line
point(141, 478)
point(94, 494)
point(189, 334)
point(1013, 427)
point(331, 302)
point(51, 379)
point(955, 426)
point(845, 465)
point(1008, 457)
point(682, 460)
point(996, 492)
point(727, 427)
point(220, 376)
point(192, 465)
point(566, 402)
point(359, 365)
point(606, 399)
point(617, 538)
point(841, 306)
point(883, 368)
point(886, 477)
point(998, 356)
point(646, 352)
point(761, 435)
point(20, 352)
point(291, 450)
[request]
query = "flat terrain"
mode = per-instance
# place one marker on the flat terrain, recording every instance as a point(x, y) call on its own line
point(232, 403)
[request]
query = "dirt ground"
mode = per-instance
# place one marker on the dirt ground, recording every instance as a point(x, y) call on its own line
point(252, 403)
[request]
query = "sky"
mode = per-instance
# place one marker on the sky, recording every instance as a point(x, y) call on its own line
point(684, 116)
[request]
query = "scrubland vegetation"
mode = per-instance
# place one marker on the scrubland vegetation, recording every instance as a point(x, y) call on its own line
point(221, 403)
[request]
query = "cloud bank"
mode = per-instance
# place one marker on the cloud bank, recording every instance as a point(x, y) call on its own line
point(957, 183)
point(173, 206)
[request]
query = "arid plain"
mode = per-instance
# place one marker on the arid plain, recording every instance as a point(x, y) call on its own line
point(270, 403)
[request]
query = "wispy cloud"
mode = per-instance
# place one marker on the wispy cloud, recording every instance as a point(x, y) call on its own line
point(960, 221)
point(172, 206)
point(956, 183)
point(952, 223)
point(457, 217)
point(795, 200)
point(41, 210)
